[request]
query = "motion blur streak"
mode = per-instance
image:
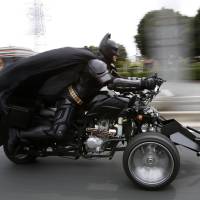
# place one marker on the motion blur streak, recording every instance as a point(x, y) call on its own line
point(168, 42)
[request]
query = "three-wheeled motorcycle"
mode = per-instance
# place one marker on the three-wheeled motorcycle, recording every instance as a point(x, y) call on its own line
point(113, 121)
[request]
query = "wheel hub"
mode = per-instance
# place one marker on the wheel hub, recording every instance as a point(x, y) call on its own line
point(150, 161)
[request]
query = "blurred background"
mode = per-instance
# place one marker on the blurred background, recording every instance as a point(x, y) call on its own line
point(160, 36)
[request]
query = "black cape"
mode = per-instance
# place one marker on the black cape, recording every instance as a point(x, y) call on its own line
point(35, 70)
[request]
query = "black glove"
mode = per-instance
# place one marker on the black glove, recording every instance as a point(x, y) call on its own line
point(148, 83)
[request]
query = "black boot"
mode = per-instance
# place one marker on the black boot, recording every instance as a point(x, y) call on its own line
point(64, 117)
point(61, 129)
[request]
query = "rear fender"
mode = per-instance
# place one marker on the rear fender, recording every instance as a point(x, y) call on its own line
point(180, 135)
point(4, 127)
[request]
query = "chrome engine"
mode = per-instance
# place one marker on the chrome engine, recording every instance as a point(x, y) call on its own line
point(94, 144)
point(98, 135)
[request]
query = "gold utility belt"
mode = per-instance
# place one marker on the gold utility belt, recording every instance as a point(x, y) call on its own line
point(74, 95)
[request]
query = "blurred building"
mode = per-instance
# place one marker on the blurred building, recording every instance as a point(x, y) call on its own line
point(148, 63)
point(11, 54)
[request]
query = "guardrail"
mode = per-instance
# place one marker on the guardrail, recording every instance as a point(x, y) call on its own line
point(185, 109)
point(186, 118)
point(180, 103)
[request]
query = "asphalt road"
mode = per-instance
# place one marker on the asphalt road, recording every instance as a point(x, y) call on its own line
point(63, 179)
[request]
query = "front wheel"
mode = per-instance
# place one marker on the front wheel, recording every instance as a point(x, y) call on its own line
point(151, 160)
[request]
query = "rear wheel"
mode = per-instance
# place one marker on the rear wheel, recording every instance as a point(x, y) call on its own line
point(19, 154)
point(151, 160)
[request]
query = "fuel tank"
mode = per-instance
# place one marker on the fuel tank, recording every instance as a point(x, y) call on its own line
point(106, 105)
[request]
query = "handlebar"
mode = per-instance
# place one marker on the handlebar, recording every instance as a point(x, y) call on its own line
point(159, 81)
point(145, 96)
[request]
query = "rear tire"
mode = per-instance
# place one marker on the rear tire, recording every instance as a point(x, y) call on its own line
point(19, 155)
point(151, 160)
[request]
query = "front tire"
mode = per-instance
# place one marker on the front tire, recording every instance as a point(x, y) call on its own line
point(151, 160)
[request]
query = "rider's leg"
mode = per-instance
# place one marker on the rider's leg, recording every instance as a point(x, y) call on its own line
point(61, 128)
point(63, 120)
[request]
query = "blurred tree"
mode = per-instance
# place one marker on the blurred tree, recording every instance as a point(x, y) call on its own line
point(94, 49)
point(197, 34)
point(122, 61)
point(122, 53)
point(161, 28)
point(141, 38)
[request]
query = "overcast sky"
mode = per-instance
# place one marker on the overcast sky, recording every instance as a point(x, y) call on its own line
point(81, 22)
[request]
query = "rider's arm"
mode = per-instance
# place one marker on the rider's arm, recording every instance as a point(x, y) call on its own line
point(98, 69)
point(138, 83)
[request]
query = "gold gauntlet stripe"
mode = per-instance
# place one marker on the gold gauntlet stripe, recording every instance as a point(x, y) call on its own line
point(74, 96)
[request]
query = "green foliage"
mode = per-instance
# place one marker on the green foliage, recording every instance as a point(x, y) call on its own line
point(134, 74)
point(141, 37)
point(197, 34)
point(122, 63)
point(195, 71)
point(93, 49)
point(125, 74)
point(122, 53)
point(133, 69)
